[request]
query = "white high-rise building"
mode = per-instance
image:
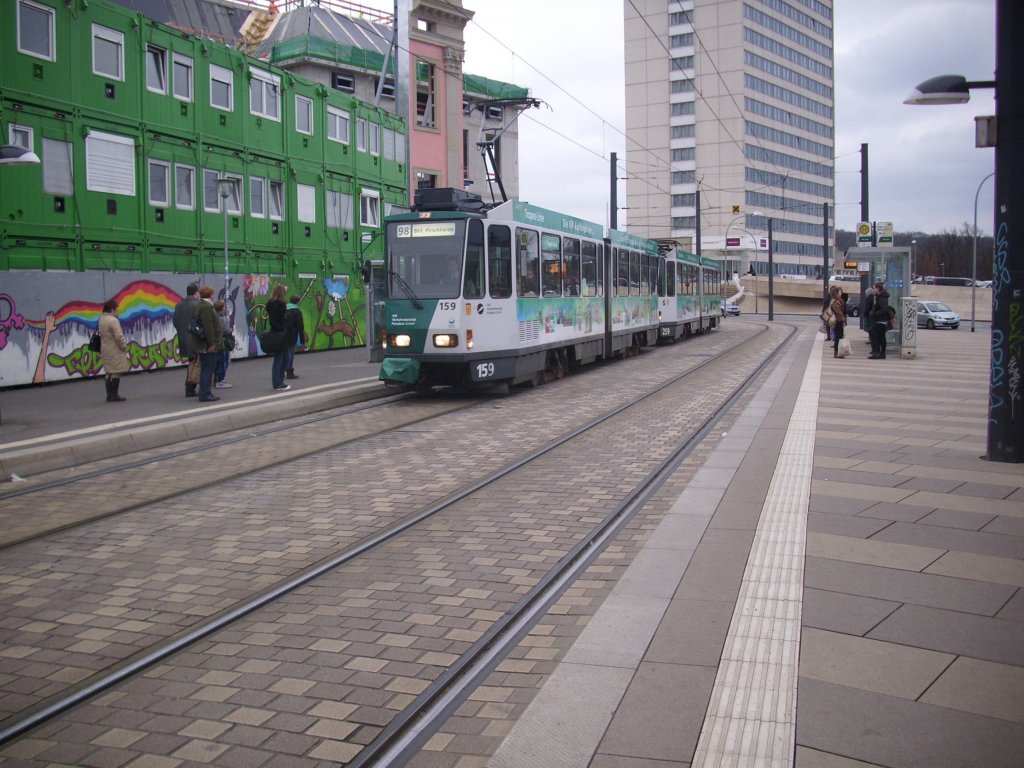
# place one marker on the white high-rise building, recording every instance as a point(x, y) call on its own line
point(734, 99)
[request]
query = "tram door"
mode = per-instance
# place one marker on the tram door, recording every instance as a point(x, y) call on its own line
point(375, 276)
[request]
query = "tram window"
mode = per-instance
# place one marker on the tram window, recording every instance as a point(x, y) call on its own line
point(634, 273)
point(621, 272)
point(588, 269)
point(499, 258)
point(473, 280)
point(670, 278)
point(571, 266)
point(600, 268)
point(527, 262)
point(551, 253)
point(645, 275)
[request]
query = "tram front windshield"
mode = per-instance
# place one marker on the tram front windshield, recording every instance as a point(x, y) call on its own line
point(425, 258)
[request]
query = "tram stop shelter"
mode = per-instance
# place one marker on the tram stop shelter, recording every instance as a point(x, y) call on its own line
point(890, 265)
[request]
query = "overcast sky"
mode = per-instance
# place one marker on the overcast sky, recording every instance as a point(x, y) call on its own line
point(924, 168)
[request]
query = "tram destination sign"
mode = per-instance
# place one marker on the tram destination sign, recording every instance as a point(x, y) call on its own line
point(426, 229)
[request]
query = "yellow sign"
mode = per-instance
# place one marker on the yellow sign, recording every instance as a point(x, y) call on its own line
point(735, 209)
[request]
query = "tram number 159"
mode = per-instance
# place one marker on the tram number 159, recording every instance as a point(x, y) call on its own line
point(484, 370)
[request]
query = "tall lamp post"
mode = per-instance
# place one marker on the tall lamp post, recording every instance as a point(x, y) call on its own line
point(974, 250)
point(1005, 439)
point(12, 154)
point(225, 188)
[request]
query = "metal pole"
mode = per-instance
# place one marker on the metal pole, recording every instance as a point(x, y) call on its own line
point(974, 252)
point(824, 254)
point(614, 220)
point(227, 283)
point(864, 183)
point(1005, 412)
point(771, 276)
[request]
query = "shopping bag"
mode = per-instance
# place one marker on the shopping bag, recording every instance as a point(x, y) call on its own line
point(193, 371)
point(844, 348)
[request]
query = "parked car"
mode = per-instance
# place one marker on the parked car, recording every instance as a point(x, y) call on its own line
point(853, 307)
point(728, 308)
point(984, 283)
point(935, 314)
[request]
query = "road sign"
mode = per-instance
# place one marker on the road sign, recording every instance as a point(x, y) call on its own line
point(883, 231)
point(864, 235)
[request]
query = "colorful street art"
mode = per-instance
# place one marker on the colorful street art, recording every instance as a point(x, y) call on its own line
point(43, 341)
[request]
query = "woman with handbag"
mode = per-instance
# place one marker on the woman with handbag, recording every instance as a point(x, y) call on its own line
point(277, 307)
point(113, 350)
point(837, 319)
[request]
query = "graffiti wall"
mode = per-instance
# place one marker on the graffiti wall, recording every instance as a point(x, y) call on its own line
point(46, 318)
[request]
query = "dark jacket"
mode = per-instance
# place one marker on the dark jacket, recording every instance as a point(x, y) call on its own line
point(211, 327)
point(880, 309)
point(184, 312)
point(294, 326)
point(275, 315)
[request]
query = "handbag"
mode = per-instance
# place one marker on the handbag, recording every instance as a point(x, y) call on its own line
point(272, 341)
point(844, 349)
point(193, 371)
point(196, 328)
point(94, 342)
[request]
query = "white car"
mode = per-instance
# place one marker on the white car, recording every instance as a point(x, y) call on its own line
point(728, 308)
point(935, 314)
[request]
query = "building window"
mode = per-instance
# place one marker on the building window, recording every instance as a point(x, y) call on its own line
point(339, 210)
point(182, 71)
point(185, 187)
point(107, 52)
point(265, 95)
point(369, 208)
point(494, 113)
point(221, 88)
point(426, 180)
point(374, 135)
point(159, 183)
point(338, 125)
point(343, 81)
point(110, 163)
point(57, 178)
point(156, 69)
point(211, 193)
point(387, 91)
point(304, 115)
point(257, 197)
point(36, 24)
point(20, 136)
point(275, 200)
point(425, 74)
point(306, 200)
point(361, 140)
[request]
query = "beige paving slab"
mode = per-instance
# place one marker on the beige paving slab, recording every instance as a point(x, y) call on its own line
point(835, 462)
point(906, 557)
point(981, 687)
point(856, 491)
point(871, 665)
point(965, 503)
point(1012, 479)
point(813, 758)
point(968, 565)
point(881, 467)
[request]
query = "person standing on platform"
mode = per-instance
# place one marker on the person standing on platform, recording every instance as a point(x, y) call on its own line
point(838, 307)
point(276, 310)
point(224, 356)
point(209, 346)
point(295, 335)
point(184, 314)
point(113, 350)
point(878, 322)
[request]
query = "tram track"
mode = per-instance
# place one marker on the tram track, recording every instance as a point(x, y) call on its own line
point(133, 666)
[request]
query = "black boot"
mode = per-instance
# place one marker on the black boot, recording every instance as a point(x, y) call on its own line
point(113, 396)
point(110, 391)
point(190, 389)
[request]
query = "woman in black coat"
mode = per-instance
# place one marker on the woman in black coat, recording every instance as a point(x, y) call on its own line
point(276, 309)
point(878, 321)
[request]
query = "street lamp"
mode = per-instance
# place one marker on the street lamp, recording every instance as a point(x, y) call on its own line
point(974, 252)
point(1005, 427)
point(225, 188)
point(12, 154)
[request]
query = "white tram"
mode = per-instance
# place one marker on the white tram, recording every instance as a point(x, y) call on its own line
point(513, 294)
point(691, 296)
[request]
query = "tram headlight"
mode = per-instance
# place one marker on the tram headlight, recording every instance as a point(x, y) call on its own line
point(400, 340)
point(446, 340)
point(469, 338)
